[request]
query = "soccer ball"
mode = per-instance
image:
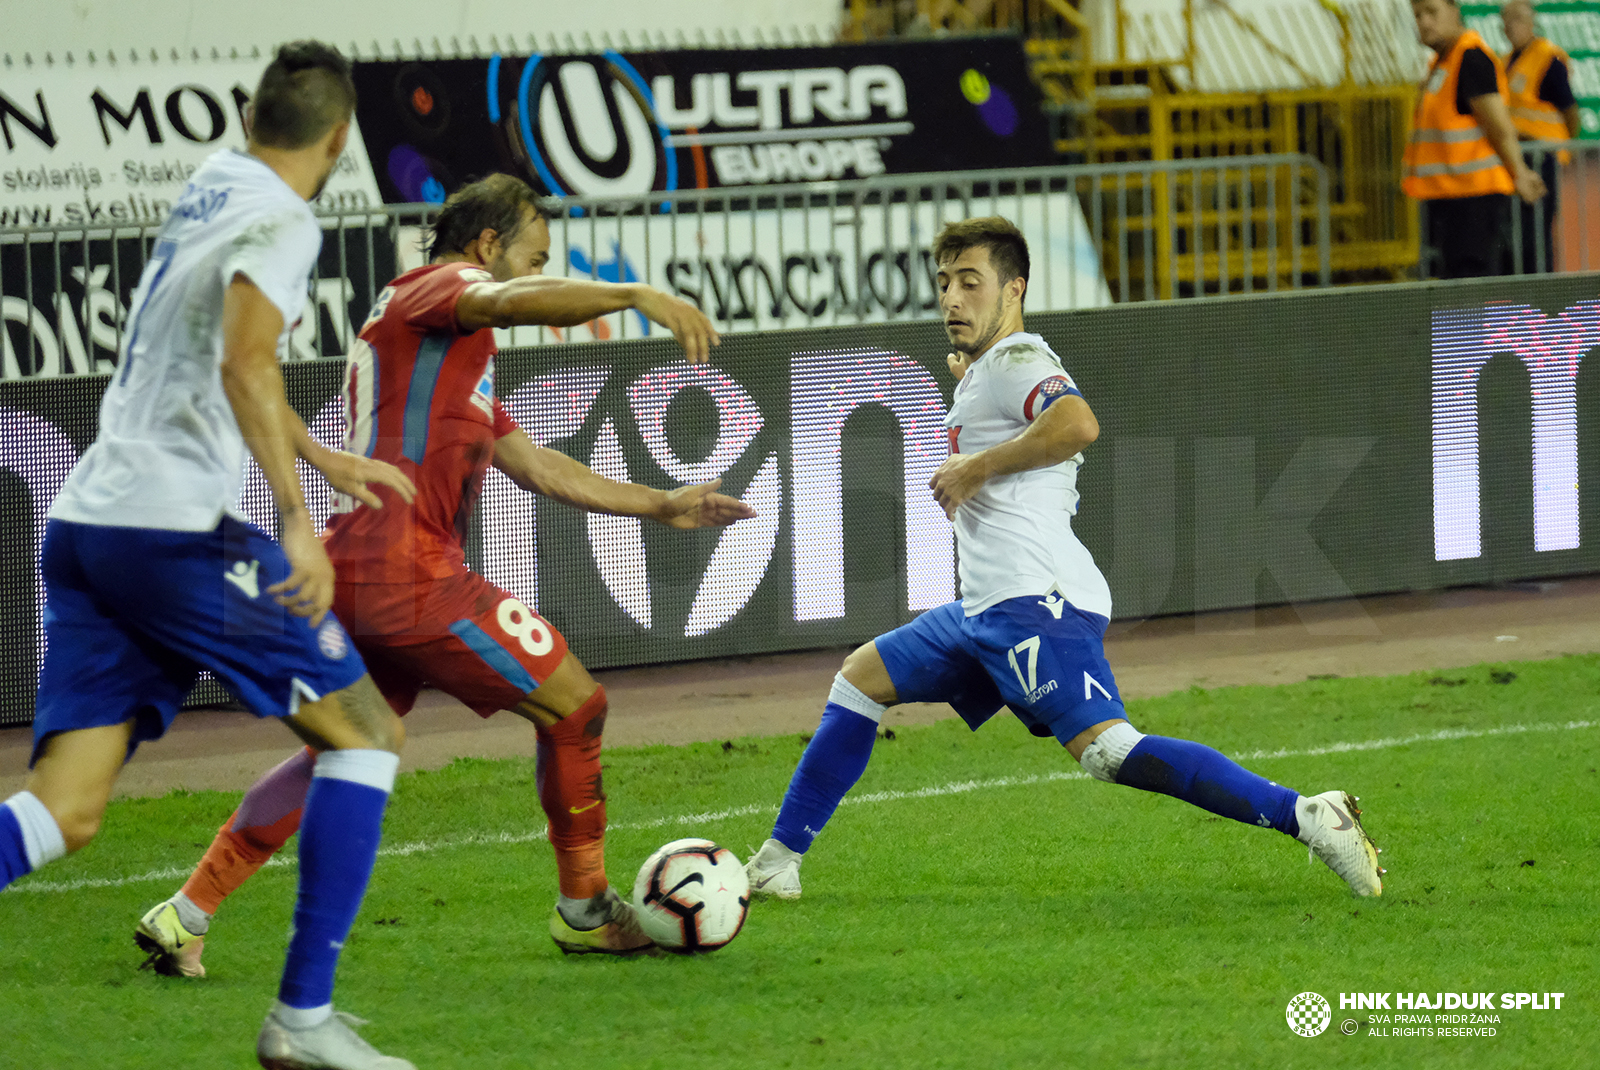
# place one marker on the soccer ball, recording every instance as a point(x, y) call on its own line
point(692, 895)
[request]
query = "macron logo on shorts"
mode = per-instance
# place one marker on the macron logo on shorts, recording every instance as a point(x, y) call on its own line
point(243, 576)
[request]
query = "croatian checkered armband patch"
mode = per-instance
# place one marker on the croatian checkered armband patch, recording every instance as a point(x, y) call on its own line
point(1047, 393)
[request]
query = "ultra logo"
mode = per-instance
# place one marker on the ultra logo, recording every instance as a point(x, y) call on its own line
point(585, 127)
point(593, 126)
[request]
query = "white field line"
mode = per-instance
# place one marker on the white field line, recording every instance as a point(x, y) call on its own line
point(960, 787)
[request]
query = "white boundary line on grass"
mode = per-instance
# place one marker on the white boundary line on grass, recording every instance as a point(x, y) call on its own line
point(960, 787)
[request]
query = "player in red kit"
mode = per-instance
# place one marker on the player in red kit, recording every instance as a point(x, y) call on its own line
point(419, 394)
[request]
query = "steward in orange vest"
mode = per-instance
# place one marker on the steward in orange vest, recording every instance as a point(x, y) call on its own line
point(1543, 108)
point(1462, 160)
point(1537, 76)
point(1449, 155)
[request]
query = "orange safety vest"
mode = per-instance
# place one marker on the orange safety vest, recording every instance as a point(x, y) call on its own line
point(1535, 119)
point(1449, 155)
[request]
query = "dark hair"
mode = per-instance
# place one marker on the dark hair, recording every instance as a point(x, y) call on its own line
point(496, 203)
point(1008, 249)
point(305, 91)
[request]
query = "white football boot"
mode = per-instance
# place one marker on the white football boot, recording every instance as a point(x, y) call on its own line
point(774, 871)
point(1330, 825)
point(174, 951)
point(331, 1045)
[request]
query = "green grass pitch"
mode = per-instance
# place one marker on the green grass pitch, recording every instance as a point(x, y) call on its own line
point(976, 903)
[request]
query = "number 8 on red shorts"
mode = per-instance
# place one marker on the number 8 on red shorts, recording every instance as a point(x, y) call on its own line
point(463, 635)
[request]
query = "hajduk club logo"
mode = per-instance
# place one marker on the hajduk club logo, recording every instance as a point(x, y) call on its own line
point(331, 640)
point(1309, 1014)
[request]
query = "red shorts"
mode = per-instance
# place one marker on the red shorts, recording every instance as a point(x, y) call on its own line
point(462, 635)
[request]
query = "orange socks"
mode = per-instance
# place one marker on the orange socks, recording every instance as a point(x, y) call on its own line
point(574, 799)
point(570, 791)
point(267, 817)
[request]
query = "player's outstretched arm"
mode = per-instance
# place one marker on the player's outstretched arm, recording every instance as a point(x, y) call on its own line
point(545, 301)
point(1062, 430)
point(350, 473)
point(251, 324)
point(555, 475)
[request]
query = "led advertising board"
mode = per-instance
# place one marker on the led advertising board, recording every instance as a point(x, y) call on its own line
point(1255, 450)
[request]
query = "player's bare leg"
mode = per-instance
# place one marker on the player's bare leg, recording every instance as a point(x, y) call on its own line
point(60, 809)
point(832, 763)
point(864, 670)
point(1328, 824)
point(568, 711)
point(356, 718)
point(74, 776)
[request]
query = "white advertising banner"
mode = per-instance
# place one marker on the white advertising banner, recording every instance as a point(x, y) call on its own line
point(108, 148)
point(108, 144)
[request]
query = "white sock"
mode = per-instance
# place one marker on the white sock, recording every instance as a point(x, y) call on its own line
point(41, 836)
point(301, 1018)
point(774, 853)
point(584, 913)
point(374, 768)
point(1103, 757)
point(1308, 824)
point(193, 918)
point(844, 693)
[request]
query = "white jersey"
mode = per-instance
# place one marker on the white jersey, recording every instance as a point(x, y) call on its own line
point(169, 454)
point(1014, 537)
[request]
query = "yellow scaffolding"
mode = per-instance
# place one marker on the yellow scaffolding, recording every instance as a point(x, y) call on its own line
point(1130, 109)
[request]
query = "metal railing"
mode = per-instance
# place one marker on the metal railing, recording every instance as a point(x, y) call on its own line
point(1097, 232)
point(757, 257)
point(1560, 232)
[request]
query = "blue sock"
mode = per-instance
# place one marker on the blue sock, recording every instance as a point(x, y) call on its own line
point(834, 760)
point(339, 834)
point(29, 837)
point(1197, 774)
point(13, 852)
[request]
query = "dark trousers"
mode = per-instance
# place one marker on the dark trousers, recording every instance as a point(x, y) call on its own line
point(1465, 237)
point(1536, 222)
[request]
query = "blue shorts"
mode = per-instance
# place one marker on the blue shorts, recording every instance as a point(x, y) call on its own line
point(132, 615)
point(1050, 669)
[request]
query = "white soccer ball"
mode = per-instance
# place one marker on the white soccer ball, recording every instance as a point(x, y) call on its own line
point(692, 895)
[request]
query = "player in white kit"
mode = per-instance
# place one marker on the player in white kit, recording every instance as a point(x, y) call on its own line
point(1028, 631)
point(151, 574)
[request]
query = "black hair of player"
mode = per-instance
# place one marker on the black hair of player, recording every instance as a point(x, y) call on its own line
point(500, 203)
point(1008, 249)
point(305, 91)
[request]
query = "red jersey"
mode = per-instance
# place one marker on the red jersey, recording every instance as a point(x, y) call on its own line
point(418, 393)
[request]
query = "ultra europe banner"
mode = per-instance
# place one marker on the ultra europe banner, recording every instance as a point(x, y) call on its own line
point(619, 124)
